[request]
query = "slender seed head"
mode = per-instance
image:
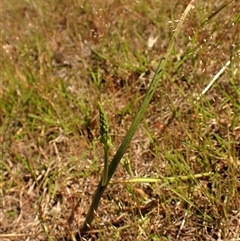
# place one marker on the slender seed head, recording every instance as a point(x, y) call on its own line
point(105, 138)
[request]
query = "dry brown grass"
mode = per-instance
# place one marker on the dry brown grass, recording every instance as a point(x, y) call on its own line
point(58, 59)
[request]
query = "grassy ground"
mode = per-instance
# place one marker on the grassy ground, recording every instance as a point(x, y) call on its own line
point(59, 58)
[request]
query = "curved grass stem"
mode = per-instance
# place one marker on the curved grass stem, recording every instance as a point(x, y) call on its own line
point(106, 166)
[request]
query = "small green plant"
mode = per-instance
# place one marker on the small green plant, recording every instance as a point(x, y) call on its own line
point(109, 171)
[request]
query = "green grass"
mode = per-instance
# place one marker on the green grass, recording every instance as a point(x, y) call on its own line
point(59, 58)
